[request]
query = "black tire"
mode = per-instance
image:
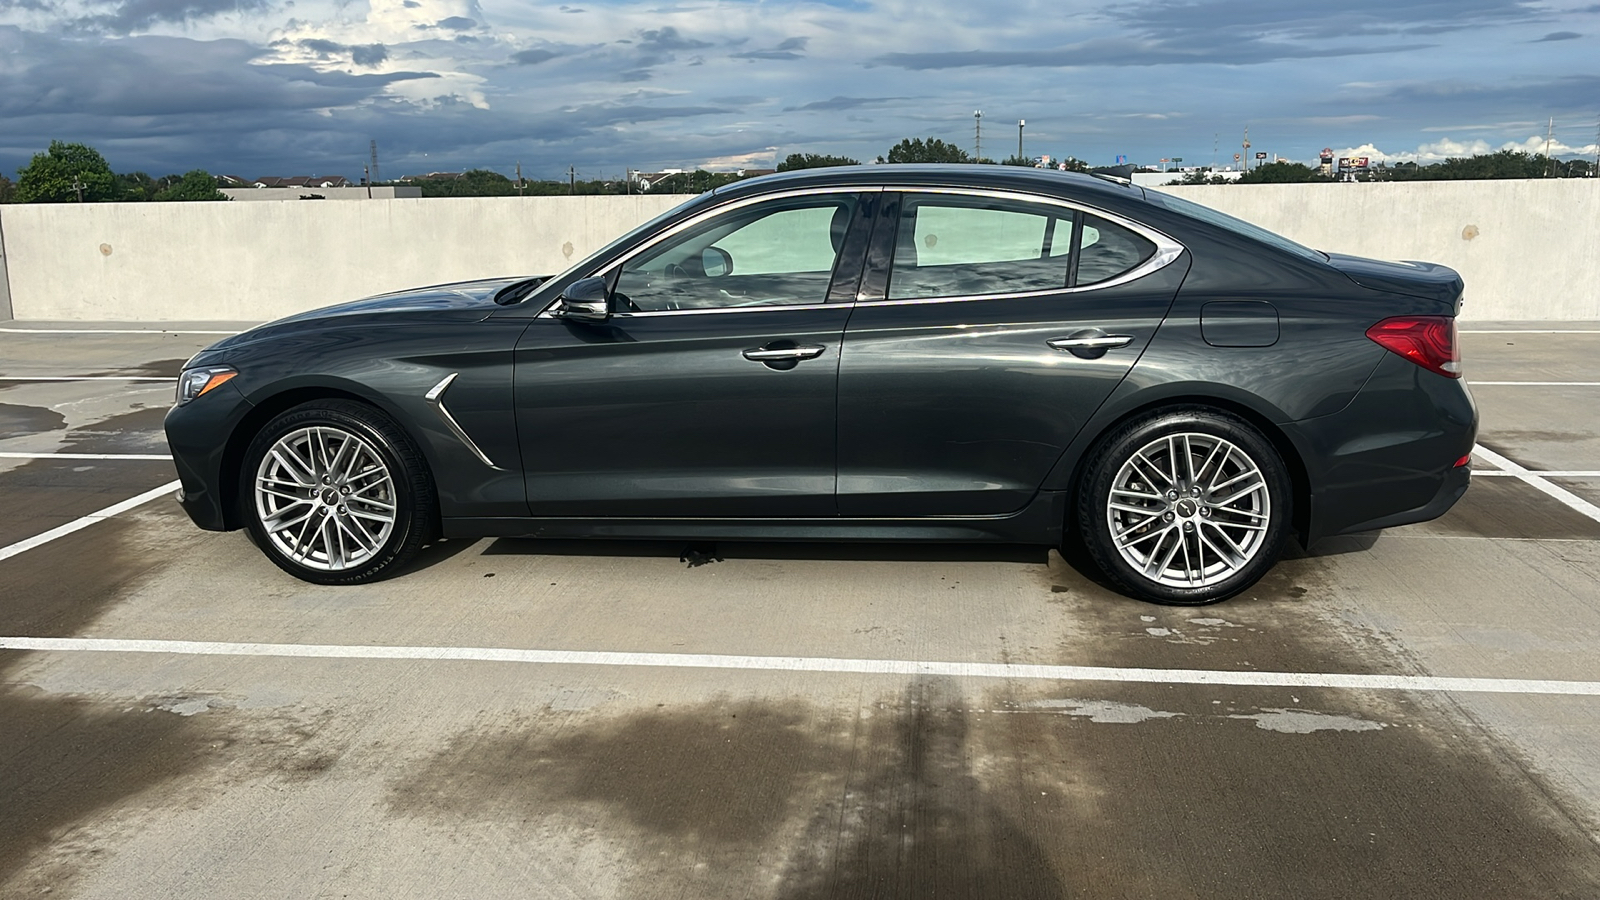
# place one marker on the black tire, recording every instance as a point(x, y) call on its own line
point(357, 546)
point(1188, 515)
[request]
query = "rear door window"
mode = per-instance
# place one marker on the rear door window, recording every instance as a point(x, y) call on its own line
point(1106, 250)
point(959, 246)
point(954, 246)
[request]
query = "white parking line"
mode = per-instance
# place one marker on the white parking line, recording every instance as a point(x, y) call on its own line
point(1537, 481)
point(103, 331)
point(817, 664)
point(79, 524)
point(14, 455)
point(88, 378)
point(1539, 472)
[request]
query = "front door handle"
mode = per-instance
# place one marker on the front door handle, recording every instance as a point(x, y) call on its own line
point(784, 354)
point(1090, 343)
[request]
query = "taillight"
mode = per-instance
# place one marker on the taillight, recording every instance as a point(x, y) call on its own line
point(1428, 341)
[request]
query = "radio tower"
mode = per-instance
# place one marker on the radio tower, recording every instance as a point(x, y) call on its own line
point(977, 135)
point(374, 170)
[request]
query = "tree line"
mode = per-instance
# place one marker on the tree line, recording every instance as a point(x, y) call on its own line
point(1501, 164)
point(69, 172)
point(77, 172)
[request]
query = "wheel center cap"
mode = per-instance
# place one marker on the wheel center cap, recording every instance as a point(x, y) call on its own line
point(330, 496)
point(1187, 508)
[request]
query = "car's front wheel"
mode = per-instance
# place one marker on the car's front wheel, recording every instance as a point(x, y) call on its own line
point(334, 492)
point(1186, 506)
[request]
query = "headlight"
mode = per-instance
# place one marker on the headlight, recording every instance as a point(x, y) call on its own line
point(194, 382)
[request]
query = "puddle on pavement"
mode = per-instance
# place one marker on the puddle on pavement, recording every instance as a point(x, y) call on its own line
point(1023, 792)
point(18, 420)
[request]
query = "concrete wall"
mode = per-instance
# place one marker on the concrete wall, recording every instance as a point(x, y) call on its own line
point(1528, 249)
point(259, 261)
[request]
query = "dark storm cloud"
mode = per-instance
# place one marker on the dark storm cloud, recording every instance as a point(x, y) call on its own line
point(790, 48)
point(533, 57)
point(667, 40)
point(140, 15)
point(160, 76)
point(1127, 52)
point(1558, 36)
point(369, 55)
point(1569, 94)
point(1172, 19)
point(837, 104)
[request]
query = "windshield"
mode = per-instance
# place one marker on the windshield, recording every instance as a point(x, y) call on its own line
point(603, 251)
point(1237, 226)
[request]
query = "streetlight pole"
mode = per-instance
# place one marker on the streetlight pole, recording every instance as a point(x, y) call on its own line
point(1020, 123)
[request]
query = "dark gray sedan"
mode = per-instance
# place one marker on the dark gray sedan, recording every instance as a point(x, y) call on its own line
point(932, 353)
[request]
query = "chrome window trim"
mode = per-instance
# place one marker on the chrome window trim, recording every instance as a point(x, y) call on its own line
point(686, 224)
point(1167, 248)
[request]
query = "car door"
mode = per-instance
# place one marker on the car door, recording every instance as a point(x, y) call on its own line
point(711, 390)
point(991, 327)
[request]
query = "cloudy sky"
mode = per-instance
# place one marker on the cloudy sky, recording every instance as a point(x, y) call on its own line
point(281, 87)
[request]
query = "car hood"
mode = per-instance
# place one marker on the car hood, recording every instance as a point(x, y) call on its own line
point(1414, 279)
point(459, 300)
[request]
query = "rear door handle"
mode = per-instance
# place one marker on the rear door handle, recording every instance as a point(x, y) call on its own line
point(1100, 342)
point(804, 351)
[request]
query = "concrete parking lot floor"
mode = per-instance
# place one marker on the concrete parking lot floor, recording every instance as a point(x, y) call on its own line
point(586, 719)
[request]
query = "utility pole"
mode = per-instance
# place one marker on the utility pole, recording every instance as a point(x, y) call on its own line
point(977, 135)
point(78, 186)
point(572, 181)
point(1549, 134)
point(372, 172)
point(1020, 123)
point(519, 178)
point(1216, 138)
point(1245, 159)
point(366, 175)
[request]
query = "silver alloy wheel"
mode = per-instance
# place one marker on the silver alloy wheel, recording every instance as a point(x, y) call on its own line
point(1189, 510)
point(325, 498)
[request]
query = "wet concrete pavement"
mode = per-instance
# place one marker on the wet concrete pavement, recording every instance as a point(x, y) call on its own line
point(159, 774)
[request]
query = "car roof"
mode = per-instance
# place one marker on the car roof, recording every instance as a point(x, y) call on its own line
point(912, 175)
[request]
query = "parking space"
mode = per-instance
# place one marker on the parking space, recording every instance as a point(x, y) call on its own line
point(586, 719)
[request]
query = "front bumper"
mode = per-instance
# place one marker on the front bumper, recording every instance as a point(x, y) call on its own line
point(199, 432)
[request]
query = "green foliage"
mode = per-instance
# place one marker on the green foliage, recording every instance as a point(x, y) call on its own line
point(814, 161)
point(1200, 176)
point(1500, 164)
point(132, 187)
point(7, 190)
point(1014, 160)
point(1281, 172)
point(471, 183)
point(933, 150)
point(196, 184)
point(50, 176)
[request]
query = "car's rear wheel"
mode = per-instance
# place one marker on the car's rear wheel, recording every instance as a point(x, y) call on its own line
point(1186, 506)
point(334, 492)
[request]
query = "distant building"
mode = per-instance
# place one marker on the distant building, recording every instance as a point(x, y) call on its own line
point(301, 181)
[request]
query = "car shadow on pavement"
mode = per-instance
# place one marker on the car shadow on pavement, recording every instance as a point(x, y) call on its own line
point(700, 552)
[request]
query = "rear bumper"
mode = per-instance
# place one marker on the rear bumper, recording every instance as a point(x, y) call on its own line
point(1389, 457)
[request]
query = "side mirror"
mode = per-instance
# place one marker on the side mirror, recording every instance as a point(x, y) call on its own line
point(586, 300)
point(716, 262)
